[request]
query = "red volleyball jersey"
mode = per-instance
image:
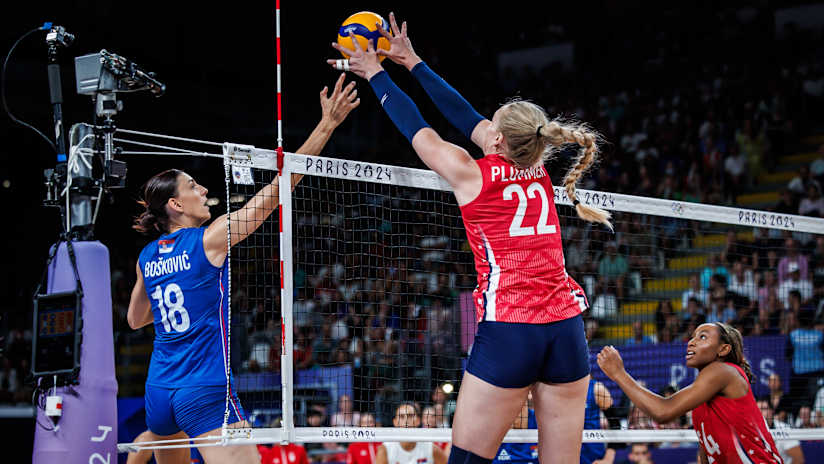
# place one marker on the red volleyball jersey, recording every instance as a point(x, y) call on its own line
point(734, 431)
point(515, 236)
point(283, 454)
point(362, 453)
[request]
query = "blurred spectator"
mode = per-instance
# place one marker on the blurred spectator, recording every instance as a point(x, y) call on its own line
point(692, 317)
point(818, 404)
point(753, 146)
point(576, 252)
point(805, 418)
point(407, 416)
point(696, 291)
point(768, 288)
point(806, 349)
point(787, 203)
point(800, 183)
point(638, 337)
point(639, 454)
point(302, 355)
point(345, 416)
point(714, 267)
point(781, 403)
point(316, 415)
point(605, 304)
point(736, 174)
point(790, 450)
point(813, 203)
point(792, 282)
point(664, 315)
point(742, 282)
point(735, 250)
point(816, 265)
point(428, 418)
point(639, 420)
point(322, 346)
point(613, 268)
point(721, 308)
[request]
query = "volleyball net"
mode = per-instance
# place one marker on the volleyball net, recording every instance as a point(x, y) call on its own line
point(373, 306)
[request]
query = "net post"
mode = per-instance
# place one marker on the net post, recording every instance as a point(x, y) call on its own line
point(286, 285)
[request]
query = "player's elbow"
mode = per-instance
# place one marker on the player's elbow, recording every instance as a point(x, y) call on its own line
point(133, 323)
point(664, 416)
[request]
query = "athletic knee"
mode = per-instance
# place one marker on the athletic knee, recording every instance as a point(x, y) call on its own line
point(458, 455)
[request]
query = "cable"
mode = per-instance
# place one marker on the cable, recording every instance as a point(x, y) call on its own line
point(3, 86)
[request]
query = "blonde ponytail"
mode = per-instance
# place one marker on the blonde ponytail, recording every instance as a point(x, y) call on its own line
point(531, 137)
point(560, 133)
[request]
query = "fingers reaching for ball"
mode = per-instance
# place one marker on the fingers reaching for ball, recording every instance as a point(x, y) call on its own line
point(337, 106)
point(400, 49)
point(363, 62)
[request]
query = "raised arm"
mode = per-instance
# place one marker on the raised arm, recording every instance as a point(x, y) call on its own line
point(710, 381)
point(449, 101)
point(450, 161)
point(247, 219)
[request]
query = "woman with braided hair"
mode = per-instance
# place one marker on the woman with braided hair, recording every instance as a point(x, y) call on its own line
point(530, 334)
point(725, 415)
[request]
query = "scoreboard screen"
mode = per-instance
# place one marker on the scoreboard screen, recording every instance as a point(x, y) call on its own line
point(56, 344)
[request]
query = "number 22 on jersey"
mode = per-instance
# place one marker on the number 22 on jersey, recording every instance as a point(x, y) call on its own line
point(516, 229)
point(170, 303)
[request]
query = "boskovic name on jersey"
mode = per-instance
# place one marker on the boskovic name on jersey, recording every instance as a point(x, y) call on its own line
point(161, 266)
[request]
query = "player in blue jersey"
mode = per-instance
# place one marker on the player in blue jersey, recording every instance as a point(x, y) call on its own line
point(181, 288)
point(598, 399)
point(520, 453)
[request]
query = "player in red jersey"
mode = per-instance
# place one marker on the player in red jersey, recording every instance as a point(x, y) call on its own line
point(729, 424)
point(531, 334)
point(283, 454)
point(363, 452)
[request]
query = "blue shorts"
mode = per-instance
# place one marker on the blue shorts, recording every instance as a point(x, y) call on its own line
point(515, 355)
point(195, 410)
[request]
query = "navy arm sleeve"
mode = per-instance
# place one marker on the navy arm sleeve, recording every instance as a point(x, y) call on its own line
point(452, 105)
point(397, 104)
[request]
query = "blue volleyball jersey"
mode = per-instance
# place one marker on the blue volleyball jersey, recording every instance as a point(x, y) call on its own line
point(523, 453)
point(188, 296)
point(592, 421)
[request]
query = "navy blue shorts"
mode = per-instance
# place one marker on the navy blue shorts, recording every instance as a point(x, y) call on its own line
point(195, 410)
point(515, 355)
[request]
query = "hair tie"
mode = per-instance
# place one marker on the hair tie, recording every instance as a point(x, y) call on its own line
point(575, 202)
point(538, 131)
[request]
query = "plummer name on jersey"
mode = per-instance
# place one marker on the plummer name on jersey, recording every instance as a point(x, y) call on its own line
point(502, 174)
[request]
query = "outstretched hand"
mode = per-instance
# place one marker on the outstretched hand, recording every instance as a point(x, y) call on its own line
point(609, 360)
point(336, 107)
point(400, 47)
point(364, 63)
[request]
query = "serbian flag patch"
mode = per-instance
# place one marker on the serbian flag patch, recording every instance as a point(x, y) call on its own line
point(166, 246)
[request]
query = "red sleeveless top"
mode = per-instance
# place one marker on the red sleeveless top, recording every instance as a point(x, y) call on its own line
point(734, 431)
point(515, 236)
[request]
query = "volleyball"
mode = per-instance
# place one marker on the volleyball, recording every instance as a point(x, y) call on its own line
point(364, 26)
